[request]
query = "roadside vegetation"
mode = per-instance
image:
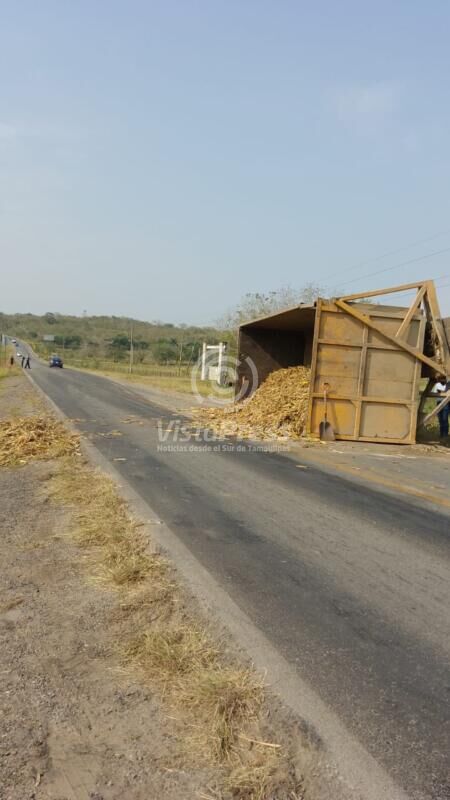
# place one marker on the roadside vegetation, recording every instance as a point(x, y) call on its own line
point(160, 350)
point(93, 340)
point(162, 354)
point(5, 368)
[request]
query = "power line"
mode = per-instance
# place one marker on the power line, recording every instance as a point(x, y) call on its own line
point(392, 252)
point(438, 286)
point(397, 266)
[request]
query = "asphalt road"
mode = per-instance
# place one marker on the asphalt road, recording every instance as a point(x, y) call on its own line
point(351, 585)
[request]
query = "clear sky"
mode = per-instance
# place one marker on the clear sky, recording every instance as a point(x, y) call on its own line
point(160, 159)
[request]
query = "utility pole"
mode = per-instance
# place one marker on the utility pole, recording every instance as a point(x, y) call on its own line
point(180, 356)
point(130, 369)
point(220, 364)
point(203, 372)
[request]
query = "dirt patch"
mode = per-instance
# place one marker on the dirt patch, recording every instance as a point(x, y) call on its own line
point(18, 397)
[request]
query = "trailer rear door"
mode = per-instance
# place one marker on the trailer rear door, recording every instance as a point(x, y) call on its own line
point(373, 383)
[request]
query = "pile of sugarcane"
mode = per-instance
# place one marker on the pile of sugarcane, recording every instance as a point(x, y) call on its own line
point(278, 409)
point(25, 439)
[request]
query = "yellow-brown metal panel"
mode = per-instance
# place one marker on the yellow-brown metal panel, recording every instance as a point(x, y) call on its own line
point(391, 326)
point(340, 413)
point(374, 386)
point(339, 327)
point(389, 372)
point(339, 366)
point(385, 421)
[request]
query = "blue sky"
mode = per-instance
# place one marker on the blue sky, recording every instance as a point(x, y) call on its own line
point(160, 159)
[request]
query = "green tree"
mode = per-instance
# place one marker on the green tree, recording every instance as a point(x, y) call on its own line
point(165, 351)
point(120, 342)
point(71, 341)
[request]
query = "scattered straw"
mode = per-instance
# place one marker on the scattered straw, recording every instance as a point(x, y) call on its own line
point(25, 439)
point(224, 700)
point(120, 555)
point(165, 655)
point(262, 776)
point(279, 408)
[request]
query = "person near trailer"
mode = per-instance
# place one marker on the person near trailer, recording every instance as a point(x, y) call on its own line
point(442, 387)
point(23, 361)
point(27, 363)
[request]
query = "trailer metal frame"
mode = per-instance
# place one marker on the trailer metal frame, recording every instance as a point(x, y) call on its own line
point(372, 358)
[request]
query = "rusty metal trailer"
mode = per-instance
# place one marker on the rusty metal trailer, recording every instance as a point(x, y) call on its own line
point(372, 358)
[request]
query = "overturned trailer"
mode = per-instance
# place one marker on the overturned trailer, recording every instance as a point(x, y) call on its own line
point(370, 357)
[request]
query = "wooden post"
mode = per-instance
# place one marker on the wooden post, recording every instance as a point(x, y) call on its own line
point(445, 400)
point(411, 311)
point(130, 368)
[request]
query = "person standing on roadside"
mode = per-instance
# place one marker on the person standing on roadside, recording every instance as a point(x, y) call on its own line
point(11, 361)
point(27, 363)
point(23, 361)
point(442, 387)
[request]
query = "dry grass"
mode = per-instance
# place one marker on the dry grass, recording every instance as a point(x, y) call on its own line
point(25, 439)
point(225, 701)
point(262, 776)
point(166, 655)
point(218, 704)
point(119, 552)
point(124, 563)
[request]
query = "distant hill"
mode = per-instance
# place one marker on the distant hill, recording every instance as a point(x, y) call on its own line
point(109, 337)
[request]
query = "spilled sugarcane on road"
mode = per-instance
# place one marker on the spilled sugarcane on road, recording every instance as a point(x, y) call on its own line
point(349, 582)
